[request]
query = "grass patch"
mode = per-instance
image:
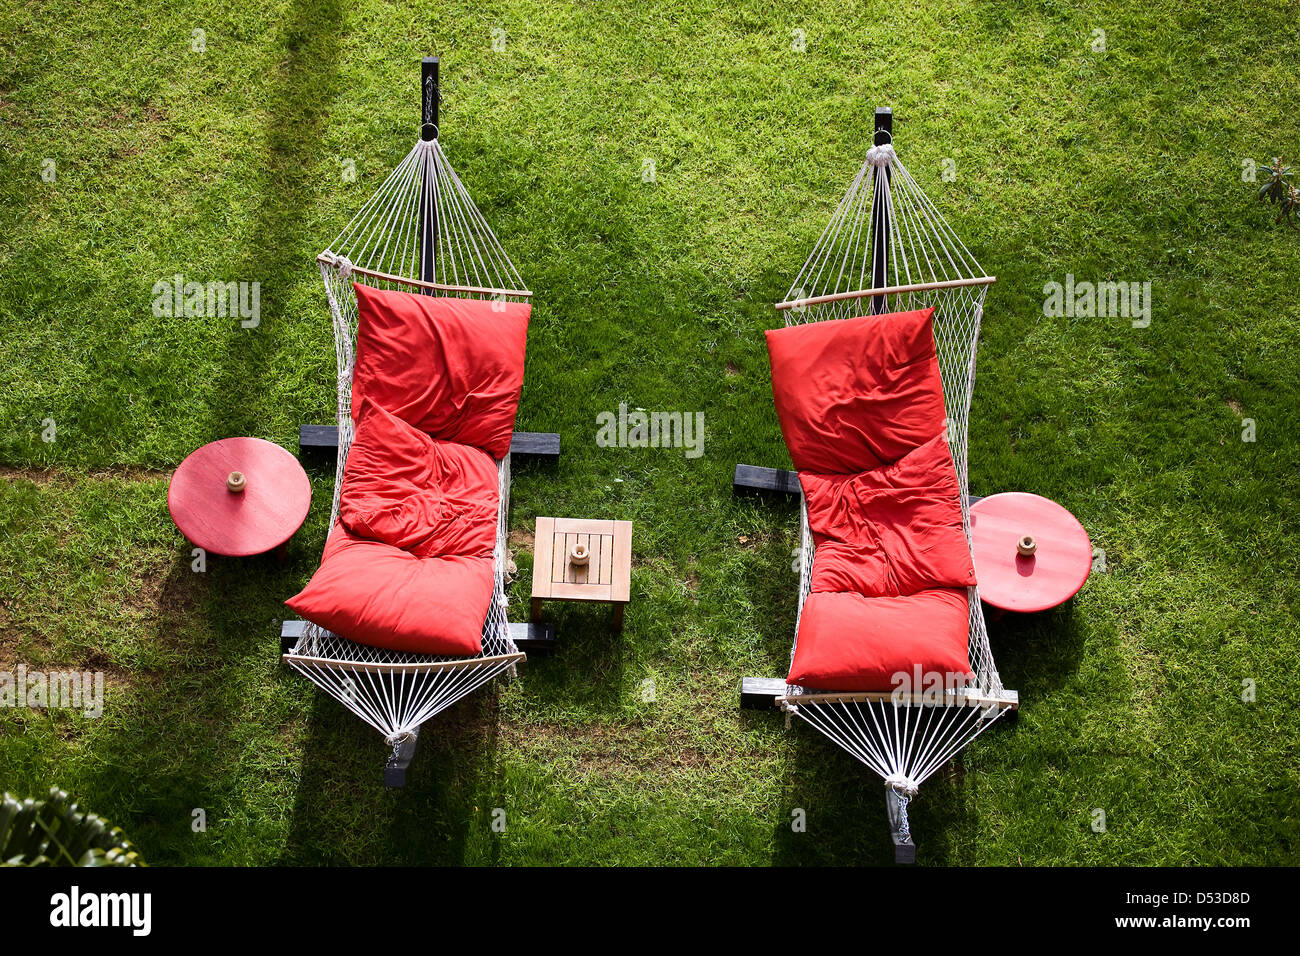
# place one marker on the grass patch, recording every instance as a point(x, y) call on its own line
point(1123, 164)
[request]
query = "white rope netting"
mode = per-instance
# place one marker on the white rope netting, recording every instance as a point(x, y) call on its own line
point(925, 265)
point(420, 223)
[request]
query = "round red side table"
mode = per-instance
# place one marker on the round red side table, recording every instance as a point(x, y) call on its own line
point(239, 496)
point(1030, 553)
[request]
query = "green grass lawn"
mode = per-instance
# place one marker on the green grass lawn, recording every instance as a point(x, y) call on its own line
point(227, 164)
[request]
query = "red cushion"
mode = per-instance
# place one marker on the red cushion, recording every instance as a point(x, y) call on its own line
point(896, 529)
point(416, 493)
point(450, 367)
point(376, 594)
point(853, 643)
point(853, 394)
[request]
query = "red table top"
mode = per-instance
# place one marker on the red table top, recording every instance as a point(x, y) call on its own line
point(258, 519)
point(1051, 575)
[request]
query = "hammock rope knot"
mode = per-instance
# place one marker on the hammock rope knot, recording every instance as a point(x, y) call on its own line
point(881, 156)
point(902, 784)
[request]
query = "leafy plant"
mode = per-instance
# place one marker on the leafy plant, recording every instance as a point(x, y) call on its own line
point(1290, 207)
point(1275, 185)
point(56, 832)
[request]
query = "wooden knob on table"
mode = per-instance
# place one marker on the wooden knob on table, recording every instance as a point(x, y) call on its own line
point(579, 555)
point(1026, 546)
point(236, 481)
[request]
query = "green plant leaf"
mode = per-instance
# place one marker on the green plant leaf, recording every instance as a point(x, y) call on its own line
point(55, 832)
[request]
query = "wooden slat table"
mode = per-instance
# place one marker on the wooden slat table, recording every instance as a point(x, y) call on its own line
point(607, 575)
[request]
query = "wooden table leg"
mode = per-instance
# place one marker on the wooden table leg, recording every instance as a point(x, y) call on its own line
point(618, 616)
point(537, 609)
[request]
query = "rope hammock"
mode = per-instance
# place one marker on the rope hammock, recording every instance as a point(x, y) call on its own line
point(419, 232)
point(887, 249)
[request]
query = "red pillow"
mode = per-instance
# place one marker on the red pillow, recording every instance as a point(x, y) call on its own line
point(853, 643)
point(450, 367)
point(376, 594)
point(416, 493)
point(853, 394)
point(896, 529)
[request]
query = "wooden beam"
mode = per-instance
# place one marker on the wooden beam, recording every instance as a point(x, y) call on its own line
point(290, 631)
point(318, 437)
point(761, 693)
point(329, 260)
point(535, 445)
point(754, 478)
point(524, 444)
point(881, 225)
point(904, 848)
point(527, 636)
point(886, 290)
point(960, 697)
point(456, 663)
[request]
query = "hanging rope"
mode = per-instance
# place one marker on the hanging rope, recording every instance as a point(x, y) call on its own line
point(422, 211)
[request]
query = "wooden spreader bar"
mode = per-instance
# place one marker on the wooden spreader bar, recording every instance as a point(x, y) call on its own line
point(886, 290)
point(756, 478)
point(955, 698)
point(762, 693)
point(528, 636)
point(432, 286)
point(378, 668)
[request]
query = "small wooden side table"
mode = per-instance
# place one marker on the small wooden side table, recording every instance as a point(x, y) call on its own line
point(239, 497)
point(580, 559)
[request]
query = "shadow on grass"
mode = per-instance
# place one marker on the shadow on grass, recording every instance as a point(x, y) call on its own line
point(343, 815)
point(585, 671)
point(278, 248)
point(844, 803)
point(1036, 653)
point(454, 781)
point(176, 744)
point(184, 735)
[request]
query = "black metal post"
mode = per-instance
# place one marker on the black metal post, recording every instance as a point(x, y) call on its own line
point(884, 133)
point(400, 759)
point(899, 828)
point(428, 131)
